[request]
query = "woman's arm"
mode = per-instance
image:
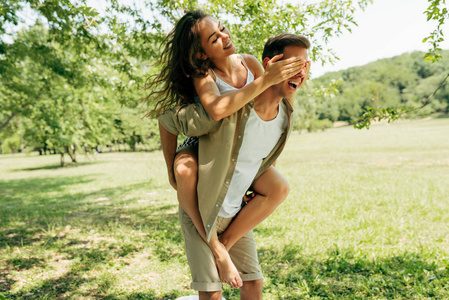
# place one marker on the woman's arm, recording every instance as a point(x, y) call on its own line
point(221, 106)
point(254, 65)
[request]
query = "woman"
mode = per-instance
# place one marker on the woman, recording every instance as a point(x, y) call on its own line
point(200, 60)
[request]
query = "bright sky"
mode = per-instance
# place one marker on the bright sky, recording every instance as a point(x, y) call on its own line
point(386, 28)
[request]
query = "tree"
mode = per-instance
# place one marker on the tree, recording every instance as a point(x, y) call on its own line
point(437, 11)
point(71, 78)
point(401, 81)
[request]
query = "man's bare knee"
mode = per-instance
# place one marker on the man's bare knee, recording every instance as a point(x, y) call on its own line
point(251, 290)
point(254, 284)
point(210, 295)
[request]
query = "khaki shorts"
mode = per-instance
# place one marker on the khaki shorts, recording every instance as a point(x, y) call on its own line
point(204, 271)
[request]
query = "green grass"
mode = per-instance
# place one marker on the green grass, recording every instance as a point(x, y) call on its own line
point(367, 217)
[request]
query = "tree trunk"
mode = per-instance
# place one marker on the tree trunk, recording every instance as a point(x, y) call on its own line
point(7, 122)
point(72, 153)
point(62, 159)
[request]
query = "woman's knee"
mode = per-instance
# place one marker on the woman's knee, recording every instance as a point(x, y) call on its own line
point(284, 188)
point(185, 167)
point(281, 190)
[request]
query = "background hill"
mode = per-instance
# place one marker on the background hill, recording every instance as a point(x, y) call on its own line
point(404, 80)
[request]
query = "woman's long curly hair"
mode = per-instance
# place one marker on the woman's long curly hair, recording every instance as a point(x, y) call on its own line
point(180, 63)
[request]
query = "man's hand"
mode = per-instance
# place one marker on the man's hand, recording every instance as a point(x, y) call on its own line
point(169, 143)
point(172, 179)
point(249, 195)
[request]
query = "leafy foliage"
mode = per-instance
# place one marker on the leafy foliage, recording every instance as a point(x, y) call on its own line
point(71, 76)
point(388, 89)
point(439, 13)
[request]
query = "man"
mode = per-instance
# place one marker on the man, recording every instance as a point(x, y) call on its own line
point(250, 139)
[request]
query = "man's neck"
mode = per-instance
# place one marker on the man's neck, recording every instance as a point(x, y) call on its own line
point(266, 104)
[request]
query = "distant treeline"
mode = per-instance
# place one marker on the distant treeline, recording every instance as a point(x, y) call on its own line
point(405, 80)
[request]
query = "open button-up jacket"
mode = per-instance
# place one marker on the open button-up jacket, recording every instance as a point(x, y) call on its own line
point(219, 145)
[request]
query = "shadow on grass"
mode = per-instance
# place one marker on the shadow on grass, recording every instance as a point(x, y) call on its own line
point(85, 232)
point(25, 263)
point(57, 166)
point(343, 274)
point(26, 201)
point(75, 284)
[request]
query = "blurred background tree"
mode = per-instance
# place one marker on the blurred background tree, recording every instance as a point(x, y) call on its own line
point(71, 74)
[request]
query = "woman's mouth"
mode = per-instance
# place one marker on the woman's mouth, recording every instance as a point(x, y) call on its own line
point(228, 45)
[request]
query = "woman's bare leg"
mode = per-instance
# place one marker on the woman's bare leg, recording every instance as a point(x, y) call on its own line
point(185, 168)
point(271, 188)
point(186, 174)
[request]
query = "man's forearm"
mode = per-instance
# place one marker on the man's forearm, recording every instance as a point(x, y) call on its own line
point(191, 120)
point(168, 143)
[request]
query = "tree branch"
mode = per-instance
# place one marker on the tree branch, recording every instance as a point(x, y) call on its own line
point(388, 113)
point(428, 98)
point(7, 122)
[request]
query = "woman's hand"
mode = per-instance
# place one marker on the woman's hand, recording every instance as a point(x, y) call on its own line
point(278, 70)
point(306, 76)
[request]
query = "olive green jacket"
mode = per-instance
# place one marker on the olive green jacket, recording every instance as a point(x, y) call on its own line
point(219, 146)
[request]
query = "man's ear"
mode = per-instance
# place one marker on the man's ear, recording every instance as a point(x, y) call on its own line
point(265, 62)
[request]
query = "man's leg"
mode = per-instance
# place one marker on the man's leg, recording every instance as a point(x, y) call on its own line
point(271, 189)
point(205, 278)
point(251, 290)
point(186, 174)
point(210, 295)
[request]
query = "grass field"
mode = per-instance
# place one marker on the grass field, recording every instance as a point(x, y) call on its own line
point(367, 217)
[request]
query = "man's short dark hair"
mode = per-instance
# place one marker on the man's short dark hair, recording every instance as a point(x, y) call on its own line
point(276, 44)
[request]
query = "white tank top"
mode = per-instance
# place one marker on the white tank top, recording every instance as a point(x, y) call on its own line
point(259, 139)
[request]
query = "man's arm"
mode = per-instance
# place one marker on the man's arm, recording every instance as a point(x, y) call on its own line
point(191, 120)
point(169, 143)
